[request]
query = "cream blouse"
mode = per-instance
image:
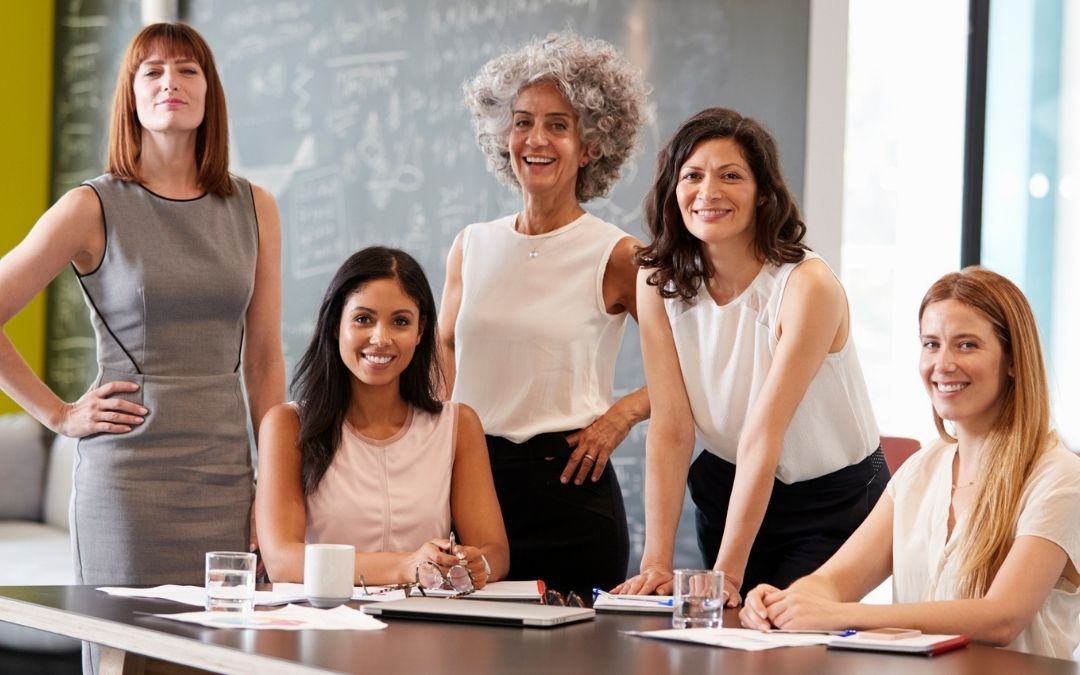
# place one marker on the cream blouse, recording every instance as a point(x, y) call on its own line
point(925, 567)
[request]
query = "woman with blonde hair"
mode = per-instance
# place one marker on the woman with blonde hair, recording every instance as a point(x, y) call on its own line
point(978, 529)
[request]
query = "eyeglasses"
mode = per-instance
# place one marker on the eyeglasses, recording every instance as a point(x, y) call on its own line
point(430, 576)
point(553, 597)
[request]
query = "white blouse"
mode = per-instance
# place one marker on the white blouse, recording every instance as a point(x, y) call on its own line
point(726, 353)
point(925, 569)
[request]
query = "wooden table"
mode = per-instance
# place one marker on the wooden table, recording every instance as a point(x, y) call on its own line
point(423, 647)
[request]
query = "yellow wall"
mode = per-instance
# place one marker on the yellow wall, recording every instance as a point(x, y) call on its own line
point(26, 46)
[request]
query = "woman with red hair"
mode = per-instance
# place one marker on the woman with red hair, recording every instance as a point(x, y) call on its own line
point(179, 262)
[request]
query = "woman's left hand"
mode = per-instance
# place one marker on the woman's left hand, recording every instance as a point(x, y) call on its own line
point(472, 558)
point(592, 447)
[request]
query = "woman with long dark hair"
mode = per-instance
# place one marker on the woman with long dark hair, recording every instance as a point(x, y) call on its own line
point(746, 340)
point(368, 455)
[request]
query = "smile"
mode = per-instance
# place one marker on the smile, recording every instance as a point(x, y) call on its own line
point(538, 160)
point(378, 359)
point(950, 388)
point(712, 213)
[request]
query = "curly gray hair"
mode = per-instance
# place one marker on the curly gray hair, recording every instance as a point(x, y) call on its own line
point(605, 90)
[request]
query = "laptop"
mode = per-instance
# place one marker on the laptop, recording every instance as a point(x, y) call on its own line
point(479, 611)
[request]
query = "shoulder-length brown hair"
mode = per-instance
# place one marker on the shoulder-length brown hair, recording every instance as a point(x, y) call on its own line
point(212, 136)
point(674, 253)
point(1019, 435)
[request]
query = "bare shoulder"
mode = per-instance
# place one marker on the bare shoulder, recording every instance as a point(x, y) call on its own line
point(621, 263)
point(261, 194)
point(813, 280)
point(282, 418)
point(468, 421)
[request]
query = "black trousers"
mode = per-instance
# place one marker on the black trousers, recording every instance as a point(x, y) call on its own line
point(804, 524)
point(574, 537)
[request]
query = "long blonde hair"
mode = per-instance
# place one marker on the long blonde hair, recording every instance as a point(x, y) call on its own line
point(1019, 435)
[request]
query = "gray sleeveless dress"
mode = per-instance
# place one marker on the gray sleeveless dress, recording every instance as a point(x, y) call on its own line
point(168, 304)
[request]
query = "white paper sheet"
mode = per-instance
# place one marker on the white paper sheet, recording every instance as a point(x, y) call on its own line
point(290, 617)
point(282, 594)
point(659, 604)
point(736, 638)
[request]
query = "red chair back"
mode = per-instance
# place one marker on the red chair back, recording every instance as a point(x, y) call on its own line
point(897, 449)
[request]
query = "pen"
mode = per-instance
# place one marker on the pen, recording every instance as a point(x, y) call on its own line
point(838, 633)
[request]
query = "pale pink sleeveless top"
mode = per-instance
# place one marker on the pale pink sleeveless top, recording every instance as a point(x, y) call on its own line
point(389, 495)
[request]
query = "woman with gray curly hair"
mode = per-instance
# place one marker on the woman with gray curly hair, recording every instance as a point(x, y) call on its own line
point(535, 305)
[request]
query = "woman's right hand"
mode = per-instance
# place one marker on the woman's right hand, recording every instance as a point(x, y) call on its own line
point(755, 613)
point(98, 412)
point(653, 579)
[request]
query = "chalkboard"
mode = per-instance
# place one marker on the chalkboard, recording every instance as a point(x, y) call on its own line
point(350, 113)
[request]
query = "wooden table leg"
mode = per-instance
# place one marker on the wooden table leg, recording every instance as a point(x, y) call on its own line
point(118, 662)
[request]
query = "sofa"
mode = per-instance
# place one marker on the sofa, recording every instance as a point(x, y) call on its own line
point(35, 549)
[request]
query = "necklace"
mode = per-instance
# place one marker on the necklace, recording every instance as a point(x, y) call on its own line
point(535, 241)
point(961, 486)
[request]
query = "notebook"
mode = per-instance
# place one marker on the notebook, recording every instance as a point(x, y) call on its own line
point(480, 611)
point(649, 604)
point(496, 590)
point(926, 645)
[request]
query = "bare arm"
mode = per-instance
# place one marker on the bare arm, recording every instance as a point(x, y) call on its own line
point(828, 599)
point(263, 361)
point(71, 232)
point(448, 313)
point(282, 513)
point(813, 321)
point(863, 562)
point(669, 444)
point(474, 505)
point(599, 440)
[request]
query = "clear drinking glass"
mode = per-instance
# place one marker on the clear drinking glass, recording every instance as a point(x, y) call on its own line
point(230, 581)
point(698, 599)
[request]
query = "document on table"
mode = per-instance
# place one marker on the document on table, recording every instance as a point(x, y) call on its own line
point(736, 638)
point(282, 594)
point(496, 590)
point(290, 617)
point(655, 604)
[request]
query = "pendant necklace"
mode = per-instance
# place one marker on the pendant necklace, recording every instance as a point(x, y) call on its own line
point(535, 241)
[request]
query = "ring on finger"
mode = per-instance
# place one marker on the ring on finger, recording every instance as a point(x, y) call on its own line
point(589, 457)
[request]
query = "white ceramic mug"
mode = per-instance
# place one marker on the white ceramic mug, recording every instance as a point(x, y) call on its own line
point(329, 570)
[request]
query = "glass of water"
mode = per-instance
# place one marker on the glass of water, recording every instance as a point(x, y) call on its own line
point(230, 581)
point(698, 599)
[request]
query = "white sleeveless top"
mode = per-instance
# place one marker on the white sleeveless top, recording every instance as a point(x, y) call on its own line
point(725, 354)
point(534, 345)
point(389, 495)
